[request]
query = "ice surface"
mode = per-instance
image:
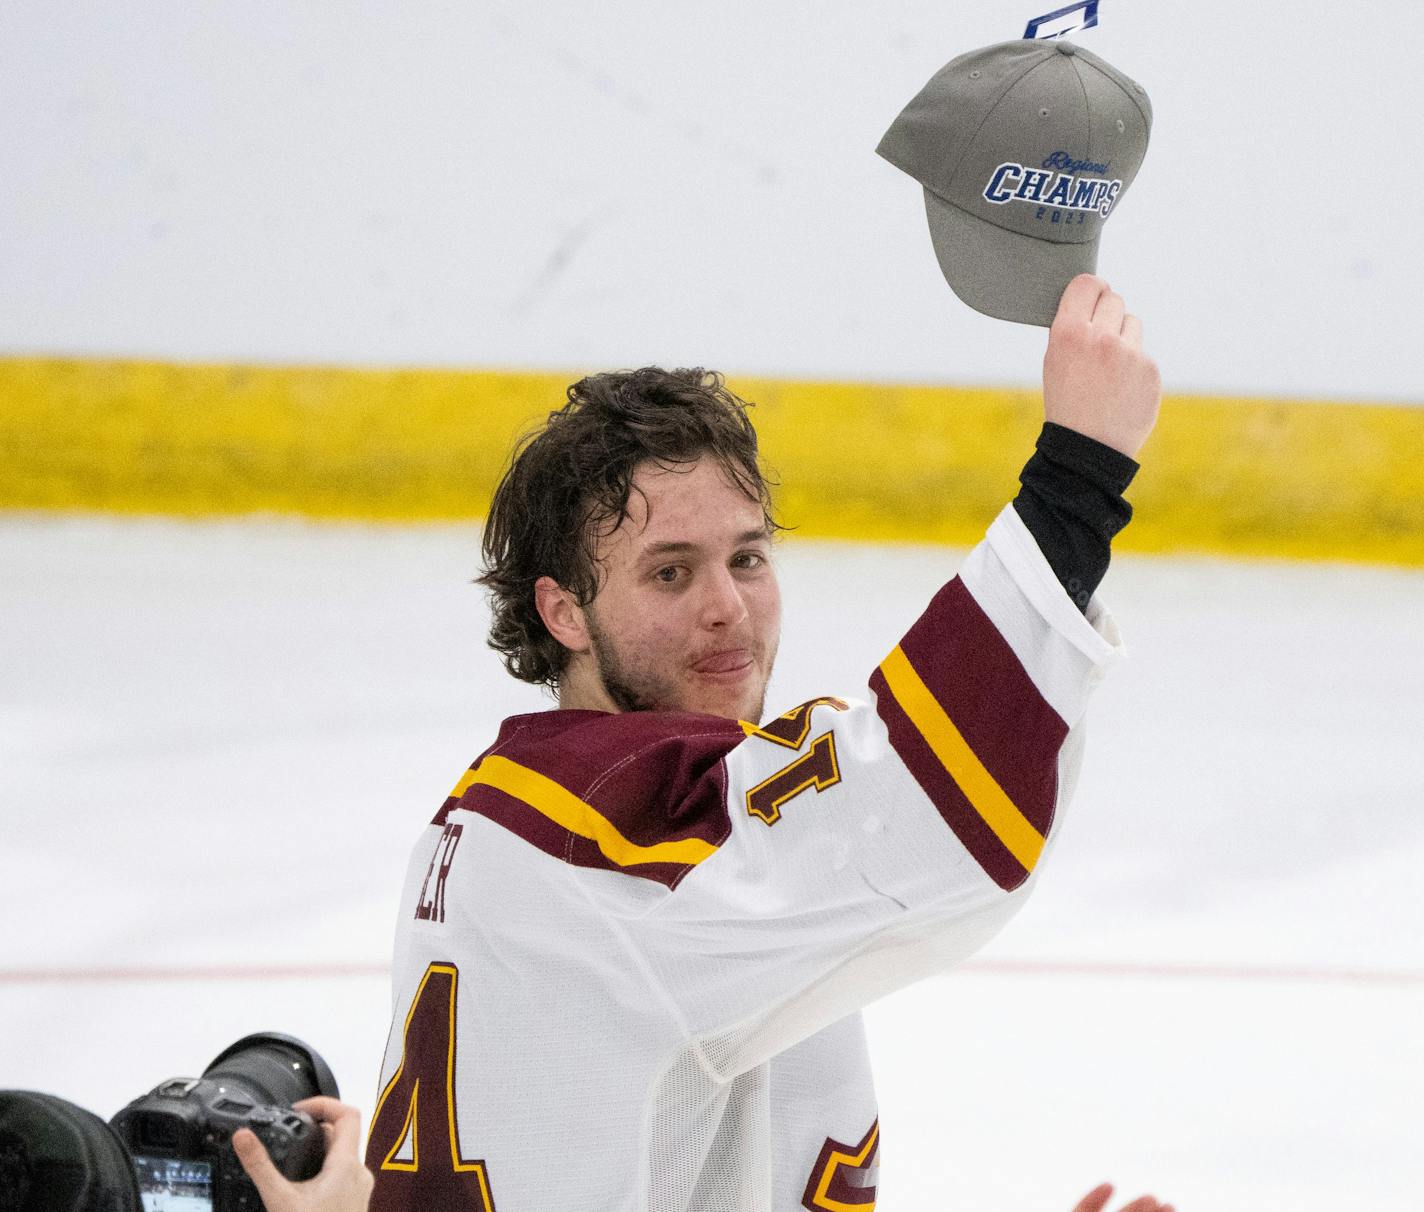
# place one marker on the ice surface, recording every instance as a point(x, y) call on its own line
point(218, 739)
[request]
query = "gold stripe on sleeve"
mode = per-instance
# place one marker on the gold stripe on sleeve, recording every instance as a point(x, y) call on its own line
point(984, 794)
point(564, 808)
point(463, 785)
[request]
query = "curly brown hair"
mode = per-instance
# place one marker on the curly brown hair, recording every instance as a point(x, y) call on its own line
point(568, 484)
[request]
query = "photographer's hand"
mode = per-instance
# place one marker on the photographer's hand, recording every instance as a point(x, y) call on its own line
point(344, 1184)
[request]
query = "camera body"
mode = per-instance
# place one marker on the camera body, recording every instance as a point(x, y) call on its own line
point(191, 1121)
point(180, 1133)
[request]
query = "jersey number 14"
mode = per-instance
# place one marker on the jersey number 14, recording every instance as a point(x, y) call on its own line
point(414, 1146)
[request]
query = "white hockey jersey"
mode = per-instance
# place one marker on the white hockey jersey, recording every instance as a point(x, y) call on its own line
point(632, 947)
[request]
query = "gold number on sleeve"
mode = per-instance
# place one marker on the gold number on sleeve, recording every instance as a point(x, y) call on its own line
point(817, 769)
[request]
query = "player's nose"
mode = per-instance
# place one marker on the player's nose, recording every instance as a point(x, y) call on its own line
point(722, 601)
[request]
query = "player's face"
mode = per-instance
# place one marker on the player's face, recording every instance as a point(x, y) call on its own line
point(688, 615)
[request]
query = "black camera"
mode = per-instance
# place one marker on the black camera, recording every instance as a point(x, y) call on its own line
point(180, 1134)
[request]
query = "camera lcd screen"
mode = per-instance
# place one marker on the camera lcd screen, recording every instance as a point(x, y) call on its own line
point(174, 1184)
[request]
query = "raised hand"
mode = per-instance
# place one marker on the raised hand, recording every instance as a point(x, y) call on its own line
point(1096, 379)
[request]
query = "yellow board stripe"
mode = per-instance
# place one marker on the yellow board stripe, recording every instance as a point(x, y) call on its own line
point(1243, 476)
point(564, 808)
point(1000, 813)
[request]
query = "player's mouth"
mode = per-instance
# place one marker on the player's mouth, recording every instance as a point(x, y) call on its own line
point(728, 666)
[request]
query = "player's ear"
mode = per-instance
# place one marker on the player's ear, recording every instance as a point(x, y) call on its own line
point(562, 615)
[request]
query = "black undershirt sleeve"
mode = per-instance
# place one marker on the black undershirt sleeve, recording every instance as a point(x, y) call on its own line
point(1071, 501)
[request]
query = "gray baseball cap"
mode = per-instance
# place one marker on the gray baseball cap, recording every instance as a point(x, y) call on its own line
point(1023, 148)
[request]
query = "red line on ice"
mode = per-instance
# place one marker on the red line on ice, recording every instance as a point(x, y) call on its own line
point(1381, 977)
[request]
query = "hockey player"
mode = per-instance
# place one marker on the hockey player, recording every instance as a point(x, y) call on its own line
point(634, 940)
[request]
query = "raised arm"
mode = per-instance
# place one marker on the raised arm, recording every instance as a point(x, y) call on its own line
point(872, 842)
point(1101, 397)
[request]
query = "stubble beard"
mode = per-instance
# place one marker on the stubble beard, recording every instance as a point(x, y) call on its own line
point(638, 690)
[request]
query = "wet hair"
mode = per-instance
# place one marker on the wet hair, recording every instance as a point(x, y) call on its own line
point(568, 485)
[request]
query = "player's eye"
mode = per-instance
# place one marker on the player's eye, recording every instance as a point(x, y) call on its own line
point(667, 575)
point(748, 559)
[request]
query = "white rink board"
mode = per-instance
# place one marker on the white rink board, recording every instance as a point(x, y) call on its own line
point(575, 186)
point(219, 739)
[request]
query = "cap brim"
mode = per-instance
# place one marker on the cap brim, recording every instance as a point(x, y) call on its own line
point(1002, 273)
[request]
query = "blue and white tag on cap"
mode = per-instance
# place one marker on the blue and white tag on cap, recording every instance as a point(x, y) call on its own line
point(1060, 21)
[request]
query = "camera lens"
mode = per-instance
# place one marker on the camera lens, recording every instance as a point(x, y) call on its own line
point(271, 1069)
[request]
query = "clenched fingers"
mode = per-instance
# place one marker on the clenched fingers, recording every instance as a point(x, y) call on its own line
point(341, 1123)
point(343, 1185)
point(1109, 312)
point(1080, 299)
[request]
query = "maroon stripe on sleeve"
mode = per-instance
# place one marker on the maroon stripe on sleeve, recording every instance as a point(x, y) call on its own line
point(975, 676)
point(654, 776)
point(935, 781)
point(554, 840)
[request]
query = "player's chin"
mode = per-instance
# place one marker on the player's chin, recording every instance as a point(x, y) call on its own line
point(731, 698)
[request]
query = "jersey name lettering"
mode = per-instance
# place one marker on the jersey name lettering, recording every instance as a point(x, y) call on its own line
point(440, 862)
